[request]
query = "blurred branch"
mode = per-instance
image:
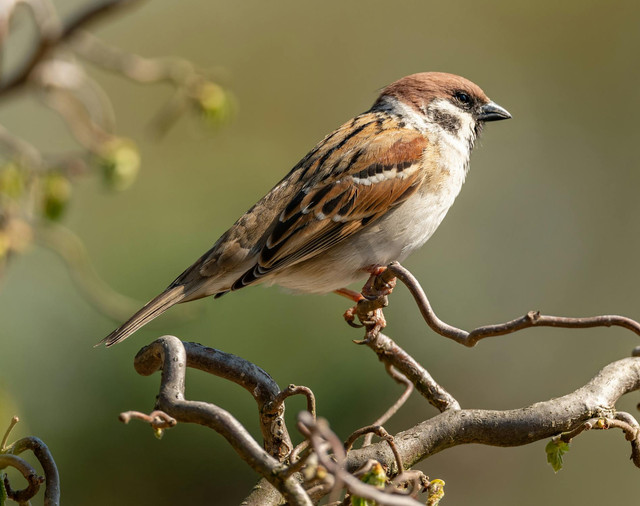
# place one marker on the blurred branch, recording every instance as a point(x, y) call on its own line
point(53, 37)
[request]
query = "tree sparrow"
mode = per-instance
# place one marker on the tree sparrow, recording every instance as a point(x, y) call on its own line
point(369, 193)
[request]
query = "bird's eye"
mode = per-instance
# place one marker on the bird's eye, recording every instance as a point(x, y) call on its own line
point(462, 97)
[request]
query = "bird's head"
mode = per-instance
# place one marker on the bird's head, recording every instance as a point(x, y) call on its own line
point(448, 102)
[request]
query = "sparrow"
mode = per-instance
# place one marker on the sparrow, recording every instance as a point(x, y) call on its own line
point(369, 193)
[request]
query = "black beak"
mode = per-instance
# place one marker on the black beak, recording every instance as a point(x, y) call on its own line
point(493, 112)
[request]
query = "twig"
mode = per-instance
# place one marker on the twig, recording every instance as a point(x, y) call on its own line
point(531, 319)
point(275, 404)
point(319, 434)
point(157, 419)
point(29, 473)
point(12, 424)
point(399, 378)
point(393, 355)
point(250, 377)
point(382, 433)
point(42, 453)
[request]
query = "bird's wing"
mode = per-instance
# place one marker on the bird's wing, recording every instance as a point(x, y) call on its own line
point(378, 173)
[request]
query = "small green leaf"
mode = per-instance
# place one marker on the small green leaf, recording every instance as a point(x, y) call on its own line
point(435, 492)
point(375, 477)
point(555, 449)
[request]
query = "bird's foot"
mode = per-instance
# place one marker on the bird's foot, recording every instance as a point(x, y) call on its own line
point(350, 317)
point(378, 286)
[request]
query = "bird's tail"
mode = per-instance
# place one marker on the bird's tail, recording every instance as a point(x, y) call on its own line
point(151, 310)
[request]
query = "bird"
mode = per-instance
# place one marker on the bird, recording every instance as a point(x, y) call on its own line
point(369, 193)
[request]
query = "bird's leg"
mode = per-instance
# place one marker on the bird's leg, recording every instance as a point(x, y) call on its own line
point(350, 314)
point(371, 300)
point(378, 285)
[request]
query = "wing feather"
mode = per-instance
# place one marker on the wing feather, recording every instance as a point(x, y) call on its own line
point(381, 173)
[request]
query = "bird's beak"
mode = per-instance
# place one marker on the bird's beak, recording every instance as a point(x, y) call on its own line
point(493, 112)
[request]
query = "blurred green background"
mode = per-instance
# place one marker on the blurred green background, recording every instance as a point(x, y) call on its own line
point(548, 220)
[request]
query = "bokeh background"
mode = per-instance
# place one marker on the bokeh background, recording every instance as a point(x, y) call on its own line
point(548, 219)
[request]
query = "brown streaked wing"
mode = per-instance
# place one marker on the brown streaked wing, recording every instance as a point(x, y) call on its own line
point(385, 173)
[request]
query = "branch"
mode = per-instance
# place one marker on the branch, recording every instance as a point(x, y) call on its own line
point(173, 357)
point(53, 38)
point(512, 427)
point(233, 368)
point(393, 355)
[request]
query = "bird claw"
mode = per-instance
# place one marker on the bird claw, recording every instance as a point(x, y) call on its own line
point(350, 316)
point(375, 288)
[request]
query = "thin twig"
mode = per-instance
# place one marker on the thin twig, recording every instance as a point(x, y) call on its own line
point(531, 319)
point(157, 419)
point(29, 473)
point(12, 424)
point(42, 453)
point(383, 434)
point(275, 404)
point(320, 433)
point(399, 378)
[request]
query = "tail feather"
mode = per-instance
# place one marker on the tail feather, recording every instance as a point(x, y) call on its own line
point(150, 311)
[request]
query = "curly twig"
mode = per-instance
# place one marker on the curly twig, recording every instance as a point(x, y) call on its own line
point(531, 319)
point(29, 473)
point(42, 453)
point(383, 434)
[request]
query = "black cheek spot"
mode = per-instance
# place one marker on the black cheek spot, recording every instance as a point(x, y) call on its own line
point(447, 121)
